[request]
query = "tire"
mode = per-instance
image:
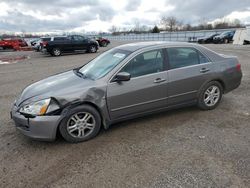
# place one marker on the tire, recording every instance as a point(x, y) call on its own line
point(226, 41)
point(104, 44)
point(82, 120)
point(92, 49)
point(56, 52)
point(207, 99)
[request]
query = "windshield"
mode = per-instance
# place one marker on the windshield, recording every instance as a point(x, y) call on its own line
point(213, 35)
point(224, 33)
point(103, 64)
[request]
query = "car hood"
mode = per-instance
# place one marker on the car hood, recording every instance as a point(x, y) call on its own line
point(64, 85)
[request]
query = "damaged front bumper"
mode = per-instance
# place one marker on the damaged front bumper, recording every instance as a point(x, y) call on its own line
point(38, 128)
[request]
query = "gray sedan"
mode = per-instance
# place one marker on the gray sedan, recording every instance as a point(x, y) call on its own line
point(125, 82)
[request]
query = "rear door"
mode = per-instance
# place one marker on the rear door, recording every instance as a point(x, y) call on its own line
point(63, 43)
point(145, 91)
point(189, 69)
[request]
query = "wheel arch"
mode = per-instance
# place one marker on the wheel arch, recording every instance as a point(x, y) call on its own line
point(222, 83)
point(104, 124)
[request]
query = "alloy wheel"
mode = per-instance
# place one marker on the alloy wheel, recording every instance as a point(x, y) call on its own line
point(57, 52)
point(92, 49)
point(81, 124)
point(212, 95)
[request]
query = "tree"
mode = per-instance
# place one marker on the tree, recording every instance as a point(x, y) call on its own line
point(209, 26)
point(187, 27)
point(169, 23)
point(113, 29)
point(236, 23)
point(155, 29)
point(221, 25)
point(137, 27)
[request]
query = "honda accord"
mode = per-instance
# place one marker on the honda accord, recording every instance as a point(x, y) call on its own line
point(125, 82)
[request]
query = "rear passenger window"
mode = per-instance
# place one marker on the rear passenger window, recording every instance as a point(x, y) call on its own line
point(145, 63)
point(182, 57)
point(203, 58)
point(45, 39)
point(59, 38)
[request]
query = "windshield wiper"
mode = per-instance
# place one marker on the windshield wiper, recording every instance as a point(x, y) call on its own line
point(78, 73)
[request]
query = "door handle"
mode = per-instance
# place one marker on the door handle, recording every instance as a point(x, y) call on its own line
point(204, 70)
point(159, 80)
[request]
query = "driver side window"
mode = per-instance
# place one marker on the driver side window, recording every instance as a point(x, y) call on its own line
point(78, 38)
point(145, 63)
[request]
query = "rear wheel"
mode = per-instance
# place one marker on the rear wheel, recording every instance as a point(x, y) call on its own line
point(210, 96)
point(81, 124)
point(104, 43)
point(56, 52)
point(92, 49)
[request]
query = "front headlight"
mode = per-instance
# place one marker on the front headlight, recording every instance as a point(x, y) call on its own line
point(36, 108)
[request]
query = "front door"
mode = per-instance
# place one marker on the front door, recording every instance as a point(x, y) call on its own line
point(145, 91)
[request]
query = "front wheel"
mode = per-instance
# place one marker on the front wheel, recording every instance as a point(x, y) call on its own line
point(81, 124)
point(210, 96)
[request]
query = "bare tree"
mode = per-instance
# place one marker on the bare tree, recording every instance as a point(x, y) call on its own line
point(23, 32)
point(113, 29)
point(137, 27)
point(187, 27)
point(236, 23)
point(169, 23)
point(180, 25)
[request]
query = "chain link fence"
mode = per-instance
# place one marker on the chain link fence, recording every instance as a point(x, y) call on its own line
point(182, 36)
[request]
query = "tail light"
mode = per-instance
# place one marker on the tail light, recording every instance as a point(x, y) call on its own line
point(238, 67)
point(44, 43)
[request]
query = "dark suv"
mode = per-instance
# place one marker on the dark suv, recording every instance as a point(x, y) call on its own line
point(224, 37)
point(57, 45)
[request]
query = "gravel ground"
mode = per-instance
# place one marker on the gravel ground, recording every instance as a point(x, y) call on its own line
point(179, 148)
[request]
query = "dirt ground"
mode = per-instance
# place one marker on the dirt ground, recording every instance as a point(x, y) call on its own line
point(179, 148)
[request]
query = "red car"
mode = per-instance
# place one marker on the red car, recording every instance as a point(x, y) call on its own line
point(12, 43)
point(102, 41)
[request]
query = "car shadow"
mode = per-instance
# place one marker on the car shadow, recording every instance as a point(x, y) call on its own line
point(154, 116)
point(105, 134)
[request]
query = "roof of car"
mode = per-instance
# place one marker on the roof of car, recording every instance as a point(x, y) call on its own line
point(132, 47)
point(52, 36)
point(140, 45)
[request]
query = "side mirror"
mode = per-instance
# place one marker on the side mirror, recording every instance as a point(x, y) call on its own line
point(122, 76)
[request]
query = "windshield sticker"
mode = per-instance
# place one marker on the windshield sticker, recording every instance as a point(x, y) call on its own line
point(119, 55)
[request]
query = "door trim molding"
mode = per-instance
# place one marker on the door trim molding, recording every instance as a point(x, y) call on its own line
point(152, 101)
point(186, 93)
point(137, 104)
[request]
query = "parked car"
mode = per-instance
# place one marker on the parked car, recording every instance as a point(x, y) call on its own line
point(207, 39)
point(57, 45)
point(224, 37)
point(12, 43)
point(123, 83)
point(36, 44)
point(102, 41)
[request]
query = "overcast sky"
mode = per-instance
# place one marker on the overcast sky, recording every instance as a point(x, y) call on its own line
point(100, 15)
